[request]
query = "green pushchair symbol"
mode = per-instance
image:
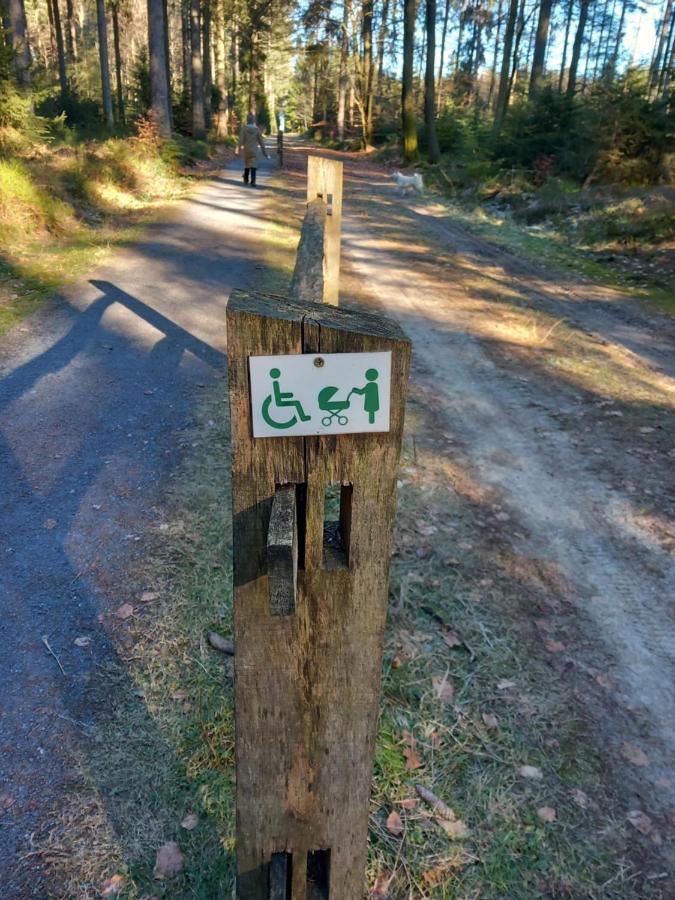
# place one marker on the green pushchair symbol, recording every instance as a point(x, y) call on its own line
point(334, 408)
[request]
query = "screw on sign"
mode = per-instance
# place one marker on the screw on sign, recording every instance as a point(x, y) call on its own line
point(310, 583)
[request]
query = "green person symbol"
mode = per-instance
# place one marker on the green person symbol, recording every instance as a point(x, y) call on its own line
point(370, 393)
point(281, 399)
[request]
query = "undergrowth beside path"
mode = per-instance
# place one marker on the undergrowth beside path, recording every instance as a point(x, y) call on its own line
point(64, 204)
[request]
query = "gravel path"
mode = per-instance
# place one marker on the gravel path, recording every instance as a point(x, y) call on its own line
point(94, 395)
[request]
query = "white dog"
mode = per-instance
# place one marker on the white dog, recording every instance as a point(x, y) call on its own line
point(408, 182)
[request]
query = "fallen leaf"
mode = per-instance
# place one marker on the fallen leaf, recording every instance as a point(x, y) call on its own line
point(412, 758)
point(408, 803)
point(438, 805)
point(149, 596)
point(640, 821)
point(634, 754)
point(218, 642)
point(452, 639)
point(190, 822)
point(437, 875)
point(454, 828)
point(546, 813)
point(124, 611)
point(554, 646)
point(6, 801)
point(169, 861)
point(394, 823)
point(579, 797)
point(604, 681)
point(490, 721)
point(49, 524)
point(505, 685)
point(179, 695)
point(82, 641)
point(112, 886)
point(443, 688)
point(381, 887)
point(426, 530)
point(530, 772)
point(545, 625)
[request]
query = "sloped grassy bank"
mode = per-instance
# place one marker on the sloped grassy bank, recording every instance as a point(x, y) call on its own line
point(65, 202)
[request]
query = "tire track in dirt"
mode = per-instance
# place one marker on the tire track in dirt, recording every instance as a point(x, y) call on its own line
point(620, 580)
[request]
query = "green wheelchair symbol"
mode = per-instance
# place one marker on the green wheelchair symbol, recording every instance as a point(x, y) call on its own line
point(282, 399)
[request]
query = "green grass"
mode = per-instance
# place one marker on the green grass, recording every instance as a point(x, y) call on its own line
point(64, 206)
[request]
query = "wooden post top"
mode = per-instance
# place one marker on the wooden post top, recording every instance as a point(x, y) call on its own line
point(273, 306)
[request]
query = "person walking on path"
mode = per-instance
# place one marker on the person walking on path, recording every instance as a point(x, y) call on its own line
point(250, 137)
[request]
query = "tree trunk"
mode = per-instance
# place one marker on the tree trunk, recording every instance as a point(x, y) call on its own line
point(118, 62)
point(576, 48)
point(343, 78)
point(433, 152)
point(439, 80)
point(206, 57)
point(659, 53)
point(505, 74)
point(568, 25)
point(368, 70)
point(71, 32)
point(253, 75)
point(60, 54)
point(663, 86)
point(222, 111)
point(167, 55)
point(619, 39)
point(495, 57)
point(591, 31)
point(381, 42)
point(159, 81)
point(409, 125)
point(185, 46)
point(541, 40)
point(18, 40)
point(106, 93)
point(197, 73)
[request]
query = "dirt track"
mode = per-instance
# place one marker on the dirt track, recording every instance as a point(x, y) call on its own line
point(559, 396)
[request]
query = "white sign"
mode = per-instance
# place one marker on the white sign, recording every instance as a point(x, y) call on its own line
point(320, 393)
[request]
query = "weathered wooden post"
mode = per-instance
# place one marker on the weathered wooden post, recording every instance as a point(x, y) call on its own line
point(280, 147)
point(324, 180)
point(317, 400)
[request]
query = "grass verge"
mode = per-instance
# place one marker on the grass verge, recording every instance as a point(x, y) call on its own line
point(63, 206)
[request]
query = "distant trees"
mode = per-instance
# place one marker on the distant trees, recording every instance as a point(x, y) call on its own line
point(358, 70)
point(160, 101)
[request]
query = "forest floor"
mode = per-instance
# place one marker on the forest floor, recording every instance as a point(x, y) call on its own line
point(531, 643)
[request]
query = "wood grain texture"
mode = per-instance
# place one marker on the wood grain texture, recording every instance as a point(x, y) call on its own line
point(307, 684)
point(309, 275)
point(324, 179)
point(282, 551)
